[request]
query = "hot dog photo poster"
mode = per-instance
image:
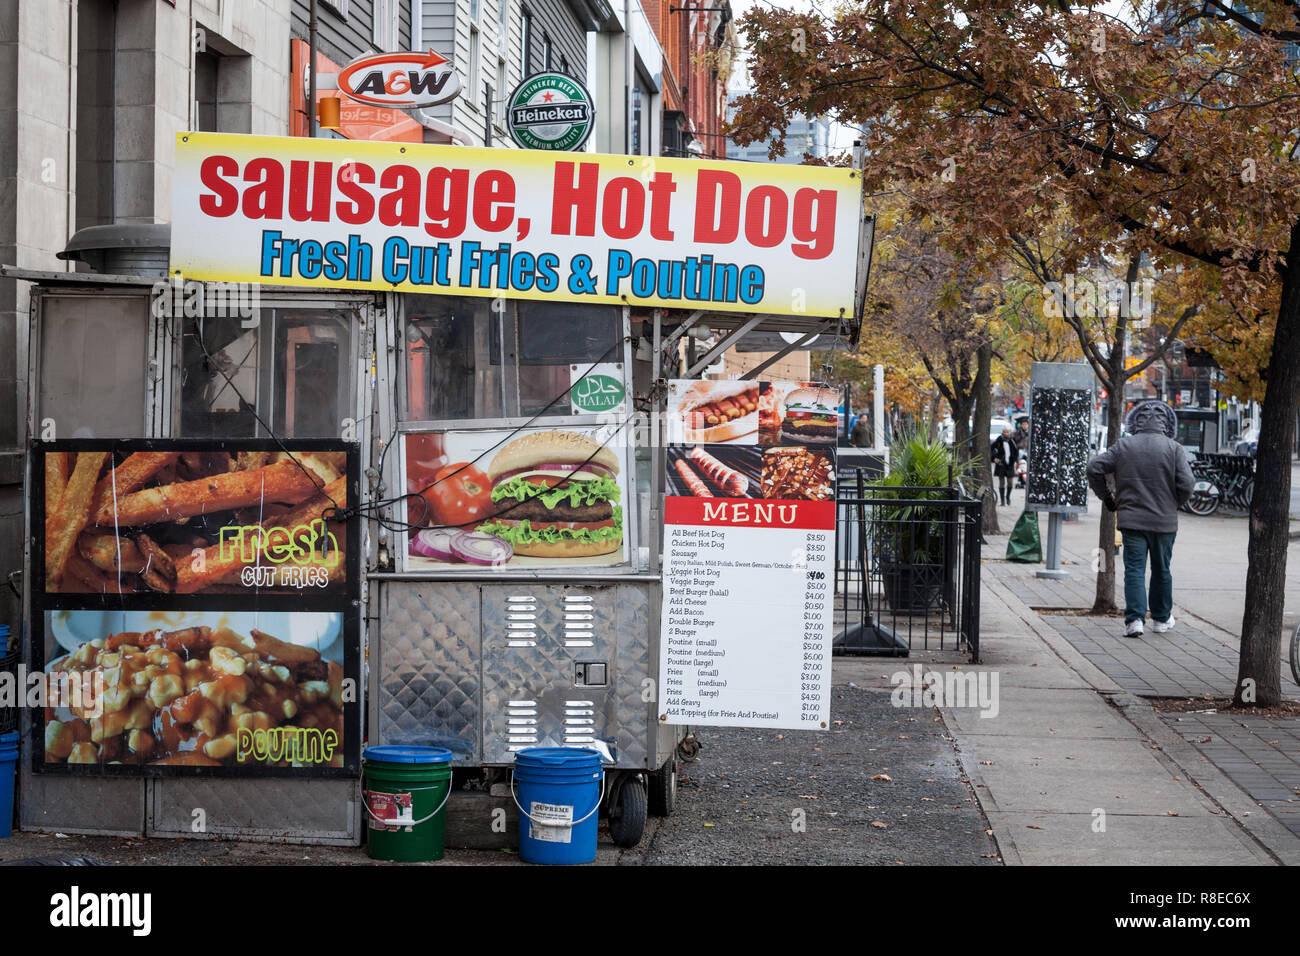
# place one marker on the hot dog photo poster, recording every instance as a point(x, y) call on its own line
point(743, 439)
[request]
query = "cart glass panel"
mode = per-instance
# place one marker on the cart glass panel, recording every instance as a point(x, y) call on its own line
point(290, 369)
point(92, 367)
point(486, 359)
point(512, 435)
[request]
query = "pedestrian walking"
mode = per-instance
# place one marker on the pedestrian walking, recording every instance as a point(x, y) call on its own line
point(1152, 479)
point(860, 434)
point(1021, 438)
point(1004, 454)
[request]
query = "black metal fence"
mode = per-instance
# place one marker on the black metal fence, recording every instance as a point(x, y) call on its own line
point(907, 569)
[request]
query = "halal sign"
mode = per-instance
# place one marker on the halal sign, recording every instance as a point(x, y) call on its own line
point(550, 111)
point(400, 80)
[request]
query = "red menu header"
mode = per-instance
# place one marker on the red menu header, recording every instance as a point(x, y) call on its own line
point(750, 512)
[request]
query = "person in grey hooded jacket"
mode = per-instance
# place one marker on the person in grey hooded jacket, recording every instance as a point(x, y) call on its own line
point(1152, 479)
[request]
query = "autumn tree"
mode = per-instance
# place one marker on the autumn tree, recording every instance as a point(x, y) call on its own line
point(940, 305)
point(1165, 128)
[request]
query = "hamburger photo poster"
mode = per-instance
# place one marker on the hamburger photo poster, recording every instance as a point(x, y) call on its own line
point(536, 497)
point(749, 544)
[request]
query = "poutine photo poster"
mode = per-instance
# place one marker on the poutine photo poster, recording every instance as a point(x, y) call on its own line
point(538, 497)
point(196, 607)
point(749, 543)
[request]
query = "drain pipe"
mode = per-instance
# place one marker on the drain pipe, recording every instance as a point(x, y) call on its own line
point(311, 71)
point(629, 74)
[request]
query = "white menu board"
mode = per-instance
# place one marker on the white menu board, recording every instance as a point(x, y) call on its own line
point(748, 566)
point(746, 623)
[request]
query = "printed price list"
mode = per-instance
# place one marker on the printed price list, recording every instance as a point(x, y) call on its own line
point(746, 626)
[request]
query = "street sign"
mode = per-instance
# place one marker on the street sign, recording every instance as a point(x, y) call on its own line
point(550, 111)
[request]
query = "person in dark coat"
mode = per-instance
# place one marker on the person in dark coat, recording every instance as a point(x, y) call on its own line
point(1152, 479)
point(1004, 454)
point(1021, 438)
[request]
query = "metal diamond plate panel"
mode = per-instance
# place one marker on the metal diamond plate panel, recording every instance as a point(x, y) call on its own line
point(534, 638)
point(277, 810)
point(634, 666)
point(428, 669)
point(94, 805)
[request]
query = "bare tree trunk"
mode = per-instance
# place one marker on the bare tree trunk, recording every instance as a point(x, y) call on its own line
point(1104, 602)
point(979, 445)
point(961, 427)
point(1259, 671)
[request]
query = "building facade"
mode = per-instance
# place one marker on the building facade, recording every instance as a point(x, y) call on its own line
point(700, 48)
point(96, 91)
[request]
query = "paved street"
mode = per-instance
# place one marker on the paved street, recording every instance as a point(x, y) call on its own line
point(883, 785)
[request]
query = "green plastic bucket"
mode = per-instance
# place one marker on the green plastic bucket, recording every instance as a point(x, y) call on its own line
point(404, 794)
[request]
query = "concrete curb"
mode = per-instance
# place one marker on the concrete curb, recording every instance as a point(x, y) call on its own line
point(1276, 842)
point(1275, 839)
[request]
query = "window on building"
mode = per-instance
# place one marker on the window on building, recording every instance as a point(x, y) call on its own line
point(526, 41)
point(223, 89)
point(385, 25)
point(475, 55)
point(475, 8)
point(503, 27)
point(205, 90)
point(96, 116)
point(546, 51)
point(338, 6)
point(564, 65)
point(638, 121)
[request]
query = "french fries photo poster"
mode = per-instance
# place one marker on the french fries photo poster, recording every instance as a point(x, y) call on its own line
point(196, 605)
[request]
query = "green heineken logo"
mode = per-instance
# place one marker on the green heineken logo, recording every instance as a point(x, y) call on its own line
point(550, 111)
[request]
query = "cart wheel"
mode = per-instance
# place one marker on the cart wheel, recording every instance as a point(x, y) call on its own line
point(627, 819)
point(663, 789)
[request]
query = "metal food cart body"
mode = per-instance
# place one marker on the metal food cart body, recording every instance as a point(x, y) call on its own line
point(435, 667)
point(110, 328)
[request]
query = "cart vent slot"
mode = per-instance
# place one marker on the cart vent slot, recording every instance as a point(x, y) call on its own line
point(521, 724)
point(578, 618)
point(521, 620)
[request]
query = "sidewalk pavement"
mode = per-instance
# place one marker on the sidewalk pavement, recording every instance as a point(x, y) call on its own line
point(1178, 787)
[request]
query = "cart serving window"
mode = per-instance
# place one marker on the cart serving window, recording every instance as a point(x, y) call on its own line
point(514, 445)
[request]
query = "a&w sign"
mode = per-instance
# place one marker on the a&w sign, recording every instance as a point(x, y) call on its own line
point(400, 80)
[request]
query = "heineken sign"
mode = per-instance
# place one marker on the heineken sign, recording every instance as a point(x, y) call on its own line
point(550, 111)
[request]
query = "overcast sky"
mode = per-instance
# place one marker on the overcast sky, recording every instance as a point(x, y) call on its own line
point(841, 137)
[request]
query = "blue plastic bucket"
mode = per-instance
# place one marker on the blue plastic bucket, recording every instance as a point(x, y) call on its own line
point(8, 761)
point(559, 794)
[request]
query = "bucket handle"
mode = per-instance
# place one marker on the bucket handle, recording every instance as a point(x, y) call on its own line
point(547, 823)
point(413, 823)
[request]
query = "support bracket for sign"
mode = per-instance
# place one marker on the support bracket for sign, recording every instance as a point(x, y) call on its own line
point(728, 340)
point(762, 367)
point(681, 329)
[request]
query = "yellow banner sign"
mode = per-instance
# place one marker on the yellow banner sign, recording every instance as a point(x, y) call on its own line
point(576, 227)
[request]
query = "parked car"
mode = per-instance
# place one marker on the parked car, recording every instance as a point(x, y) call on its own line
point(1247, 443)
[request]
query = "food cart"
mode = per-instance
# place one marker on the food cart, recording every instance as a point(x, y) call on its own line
point(471, 626)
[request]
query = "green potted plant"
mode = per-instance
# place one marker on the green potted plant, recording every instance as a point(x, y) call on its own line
point(910, 541)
